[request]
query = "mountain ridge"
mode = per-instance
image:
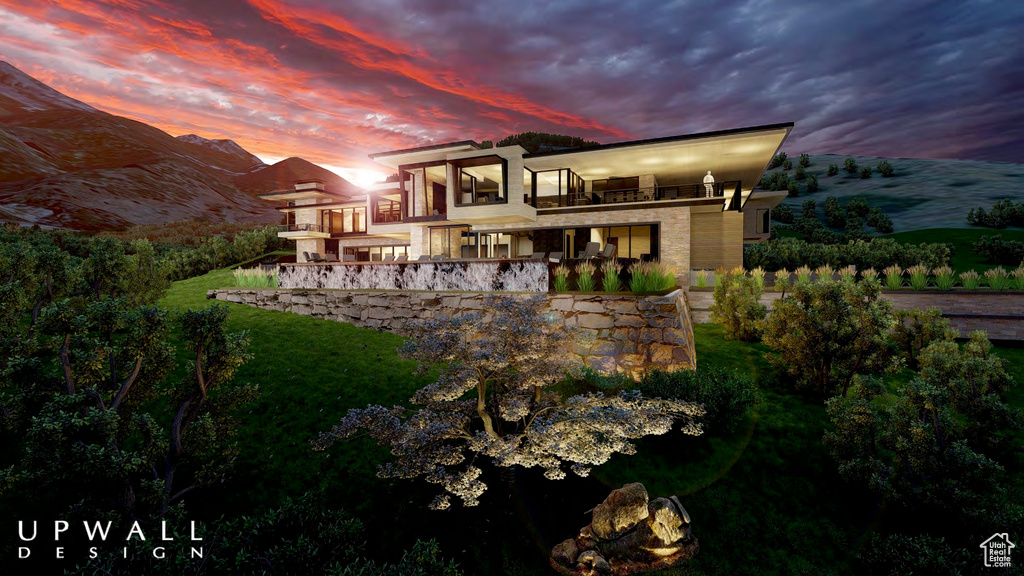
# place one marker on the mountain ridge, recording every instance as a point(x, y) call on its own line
point(70, 165)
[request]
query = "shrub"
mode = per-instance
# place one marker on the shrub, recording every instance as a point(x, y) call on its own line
point(865, 172)
point(725, 395)
point(893, 277)
point(995, 251)
point(1003, 213)
point(835, 216)
point(878, 219)
point(885, 168)
point(812, 184)
point(783, 213)
point(793, 188)
point(610, 281)
point(918, 276)
point(944, 277)
point(775, 181)
point(777, 160)
point(996, 278)
point(561, 278)
point(758, 275)
point(787, 164)
point(805, 160)
point(833, 169)
point(585, 277)
point(857, 206)
point(827, 331)
point(876, 253)
point(855, 228)
point(850, 165)
point(970, 280)
point(737, 305)
point(801, 173)
point(916, 329)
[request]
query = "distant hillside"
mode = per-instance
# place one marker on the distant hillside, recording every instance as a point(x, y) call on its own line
point(66, 164)
point(285, 173)
point(922, 193)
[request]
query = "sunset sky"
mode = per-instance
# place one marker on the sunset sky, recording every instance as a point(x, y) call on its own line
point(333, 81)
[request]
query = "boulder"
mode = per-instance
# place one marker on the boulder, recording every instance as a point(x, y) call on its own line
point(565, 553)
point(623, 509)
point(628, 534)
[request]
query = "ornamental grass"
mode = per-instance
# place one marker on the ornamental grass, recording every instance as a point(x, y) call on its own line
point(610, 282)
point(970, 280)
point(893, 277)
point(918, 276)
point(996, 278)
point(585, 276)
point(1018, 277)
point(561, 278)
point(255, 278)
point(944, 277)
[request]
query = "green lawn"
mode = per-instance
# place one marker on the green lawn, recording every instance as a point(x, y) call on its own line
point(764, 499)
point(962, 239)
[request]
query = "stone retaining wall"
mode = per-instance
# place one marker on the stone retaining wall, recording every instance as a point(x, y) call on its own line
point(617, 333)
point(1001, 314)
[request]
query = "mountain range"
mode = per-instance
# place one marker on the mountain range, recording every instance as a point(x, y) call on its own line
point(68, 165)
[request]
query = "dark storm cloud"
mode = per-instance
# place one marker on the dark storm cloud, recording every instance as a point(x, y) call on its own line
point(332, 81)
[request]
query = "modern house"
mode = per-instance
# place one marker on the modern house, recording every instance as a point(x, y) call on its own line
point(686, 200)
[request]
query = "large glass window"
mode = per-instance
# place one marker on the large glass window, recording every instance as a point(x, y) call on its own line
point(374, 253)
point(387, 208)
point(481, 180)
point(345, 220)
point(559, 188)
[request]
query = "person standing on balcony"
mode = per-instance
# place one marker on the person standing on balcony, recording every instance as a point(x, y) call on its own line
point(709, 185)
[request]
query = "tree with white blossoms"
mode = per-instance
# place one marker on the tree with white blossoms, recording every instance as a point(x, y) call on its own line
point(494, 398)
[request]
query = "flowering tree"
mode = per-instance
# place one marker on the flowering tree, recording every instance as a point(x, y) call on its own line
point(494, 398)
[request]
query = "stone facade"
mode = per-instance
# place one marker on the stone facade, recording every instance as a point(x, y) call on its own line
point(627, 334)
point(1001, 314)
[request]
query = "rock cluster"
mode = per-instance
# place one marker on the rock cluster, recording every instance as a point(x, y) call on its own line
point(628, 534)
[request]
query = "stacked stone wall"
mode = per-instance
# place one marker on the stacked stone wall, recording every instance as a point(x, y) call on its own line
point(616, 333)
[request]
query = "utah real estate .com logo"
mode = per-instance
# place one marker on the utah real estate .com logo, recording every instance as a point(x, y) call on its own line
point(997, 550)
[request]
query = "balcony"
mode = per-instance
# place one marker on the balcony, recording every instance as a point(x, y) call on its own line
point(303, 230)
point(727, 192)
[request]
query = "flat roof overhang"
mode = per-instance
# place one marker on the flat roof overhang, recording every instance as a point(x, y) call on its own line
point(740, 154)
point(396, 158)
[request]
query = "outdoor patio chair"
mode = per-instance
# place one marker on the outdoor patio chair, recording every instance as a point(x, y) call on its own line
point(608, 253)
point(331, 258)
point(423, 257)
point(389, 258)
point(316, 257)
point(402, 258)
point(537, 256)
point(438, 257)
point(590, 251)
point(555, 256)
point(305, 256)
point(348, 258)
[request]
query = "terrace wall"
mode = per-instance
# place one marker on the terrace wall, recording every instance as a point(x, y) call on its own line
point(1000, 314)
point(618, 333)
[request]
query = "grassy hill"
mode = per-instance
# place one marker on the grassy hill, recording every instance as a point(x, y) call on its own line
point(922, 193)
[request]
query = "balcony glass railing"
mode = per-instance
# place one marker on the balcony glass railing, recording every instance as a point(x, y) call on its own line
point(304, 228)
